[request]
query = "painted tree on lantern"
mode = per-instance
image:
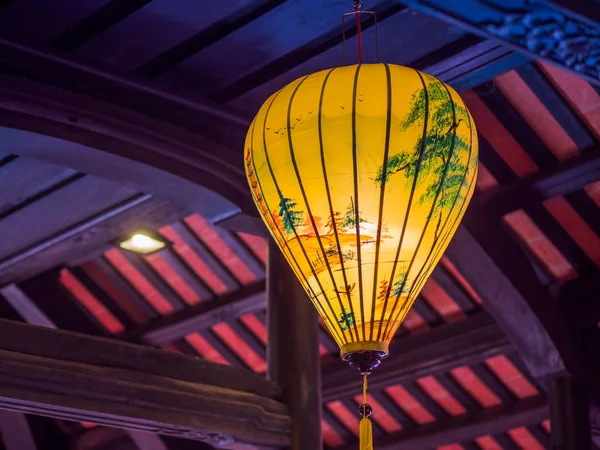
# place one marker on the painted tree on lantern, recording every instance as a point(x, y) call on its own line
point(383, 290)
point(351, 215)
point(290, 216)
point(441, 161)
point(400, 286)
point(334, 222)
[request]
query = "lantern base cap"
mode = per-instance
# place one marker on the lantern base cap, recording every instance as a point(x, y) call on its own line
point(364, 356)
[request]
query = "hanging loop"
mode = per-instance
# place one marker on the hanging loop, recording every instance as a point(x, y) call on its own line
point(363, 20)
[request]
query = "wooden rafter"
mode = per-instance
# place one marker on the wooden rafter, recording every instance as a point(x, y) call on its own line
point(72, 376)
point(246, 300)
point(468, 427)
point(444, 348)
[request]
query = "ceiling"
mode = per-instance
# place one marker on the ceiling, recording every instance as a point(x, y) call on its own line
point(59, 221)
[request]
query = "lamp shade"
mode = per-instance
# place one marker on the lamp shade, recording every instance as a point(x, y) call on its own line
point(362, 174)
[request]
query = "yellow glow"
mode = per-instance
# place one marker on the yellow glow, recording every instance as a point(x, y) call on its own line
point(362, 174)
point(140, 243)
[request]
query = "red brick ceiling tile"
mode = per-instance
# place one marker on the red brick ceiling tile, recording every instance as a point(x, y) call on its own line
point(575, 226)
point(410, 405)
point(540, 245)
point(167, 273)
point(579, 93)
point(488, 443)
point(383, 418)
point(205, 349)
point(209, 236)
point(474, 386)
point(498, 136)
point(525, 439)
point(436, 391)
point(441, 301)
point(349, 418)
point(485, 179)
point(193, 260)
point(536, 115)
point(461, 280)
point(240, 347)
point(257, 244)
point(331, 438)
point(511, 376)
point(138, 281)
point(90, 302)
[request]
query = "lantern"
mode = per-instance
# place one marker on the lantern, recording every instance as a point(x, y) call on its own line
point(362, 174)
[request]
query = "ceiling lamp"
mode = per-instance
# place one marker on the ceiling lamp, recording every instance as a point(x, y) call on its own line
point(362, 174)
point(144, 243)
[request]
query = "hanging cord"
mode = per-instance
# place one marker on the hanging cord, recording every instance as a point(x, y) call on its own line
point(366, 429)
point(357, 8)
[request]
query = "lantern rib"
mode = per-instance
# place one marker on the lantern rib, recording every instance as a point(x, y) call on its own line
point(293, 226)
point(356, 203)
point(296, 269)
point(382, 196)
point(421, 279)
point(407, 215)
point(428, 221)
point(304, 197)
point(329, 201)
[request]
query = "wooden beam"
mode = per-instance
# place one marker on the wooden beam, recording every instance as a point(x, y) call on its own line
point(89, 236)
point(560, 179)
point(126, 134)
point(467, 427)
point(443, 348)
point(293, 351)
point(202, 316)
point(569, 415)
point(50, 372)
point(16, 432)
point(507, 304)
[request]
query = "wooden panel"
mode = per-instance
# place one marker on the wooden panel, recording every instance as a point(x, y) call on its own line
point(67, 346)
point(24, 178)
point(280, 31)
point(398, 49)
point(50, 18)
point(137, 400)
point(57, 211)
point(157, 27)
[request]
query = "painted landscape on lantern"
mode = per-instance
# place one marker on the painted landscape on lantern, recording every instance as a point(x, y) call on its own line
point(362, 195)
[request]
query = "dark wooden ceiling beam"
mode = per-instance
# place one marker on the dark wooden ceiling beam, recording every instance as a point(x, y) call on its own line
point(248, 299)
point(561, 32)
point(468, 427)
point(443, 348)
point(49, 372)
point(33, 315)
point(560, 179)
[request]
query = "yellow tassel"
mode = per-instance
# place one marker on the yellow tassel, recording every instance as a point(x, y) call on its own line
point(366, 434)
point(366, 429)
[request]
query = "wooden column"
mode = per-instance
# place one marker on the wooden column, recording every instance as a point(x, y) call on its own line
point(293, 351)
point(569, 415)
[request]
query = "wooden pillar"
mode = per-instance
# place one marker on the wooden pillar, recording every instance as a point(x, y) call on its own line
point(293, 351)
point(569, 415)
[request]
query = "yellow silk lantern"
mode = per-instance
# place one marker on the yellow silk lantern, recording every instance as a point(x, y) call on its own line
point(362, 175)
